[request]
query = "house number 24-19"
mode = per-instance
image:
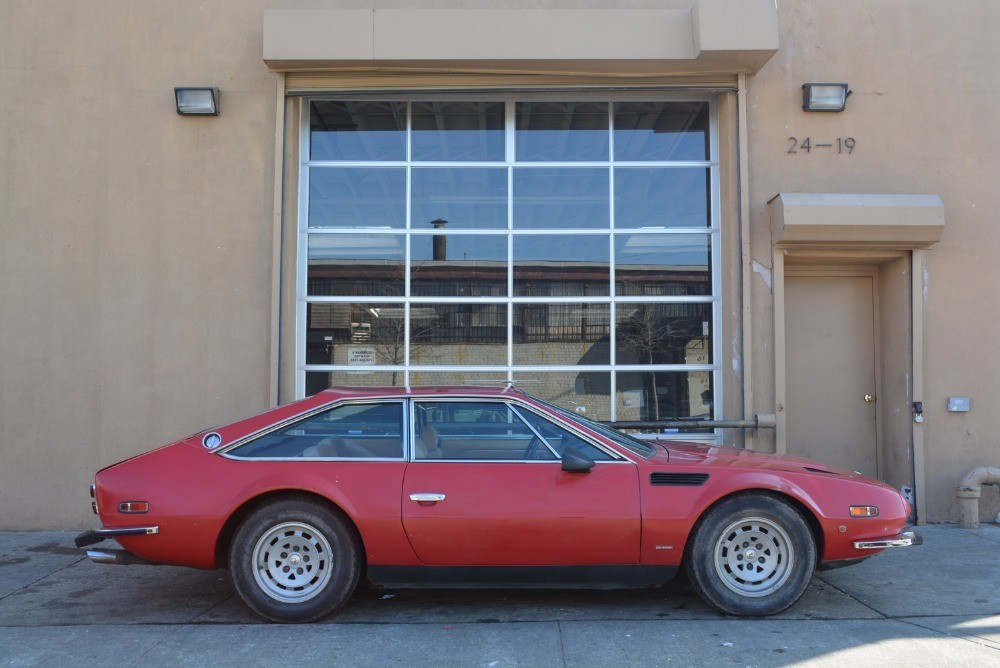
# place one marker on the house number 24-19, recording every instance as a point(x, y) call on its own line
point(842, 145)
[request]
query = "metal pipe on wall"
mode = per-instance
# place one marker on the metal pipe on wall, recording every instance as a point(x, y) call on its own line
point(969, 491)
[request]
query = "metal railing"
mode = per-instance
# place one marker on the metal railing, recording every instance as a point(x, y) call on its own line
point(758, 422)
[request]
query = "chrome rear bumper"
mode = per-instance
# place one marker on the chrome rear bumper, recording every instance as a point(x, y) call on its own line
point(905, 539)
point(97, 535)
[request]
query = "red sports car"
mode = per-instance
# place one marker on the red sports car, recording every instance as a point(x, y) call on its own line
point(469, 486)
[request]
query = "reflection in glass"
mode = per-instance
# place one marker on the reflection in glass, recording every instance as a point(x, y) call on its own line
point(587, 392)
point(357, 197)
point(561, 199)
point(355, 334)
point(360, 130)
point(459, 334)
point(458, 265)
point(482, 379)
point(357, 265)
point(662, 197)
point(661, 131)
point(468, 198)
point(559, 438)
point(663, 264)
point(555, 265)
point(317, 381)
point(662, 395)
point(562, 131)
point(562, 334)
point(663, 333)
point(458, 131)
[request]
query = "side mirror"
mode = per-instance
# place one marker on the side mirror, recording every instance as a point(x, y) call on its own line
point(574, 461)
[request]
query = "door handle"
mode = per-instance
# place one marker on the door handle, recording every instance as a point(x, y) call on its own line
point(869, 398)
point(427, 497)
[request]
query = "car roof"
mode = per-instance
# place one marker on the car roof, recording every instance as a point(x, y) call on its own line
point(421, 391)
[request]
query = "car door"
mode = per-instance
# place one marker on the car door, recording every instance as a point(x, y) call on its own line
point(492, 491)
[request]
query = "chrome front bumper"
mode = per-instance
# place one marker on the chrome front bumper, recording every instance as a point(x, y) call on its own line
point(97, 535)
point(905, 539)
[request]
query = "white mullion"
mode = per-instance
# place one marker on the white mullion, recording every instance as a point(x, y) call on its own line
point(510, 126)
point(458, 231)
point(302, 251)
point(568, 233)
point(613, 386)
point(533, 368)
point(612, 269)
point(387, 164)
point(664, 230)
point(510, 148)
point(718, 397)
point(408, 252)
point(681, 164)
point(612, 336)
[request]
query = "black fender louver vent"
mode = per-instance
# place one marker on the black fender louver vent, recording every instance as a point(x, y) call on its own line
point(678, 479)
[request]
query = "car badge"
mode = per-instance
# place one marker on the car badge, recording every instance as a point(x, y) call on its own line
point(211, 440)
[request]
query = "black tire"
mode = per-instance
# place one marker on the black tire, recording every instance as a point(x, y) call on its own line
point(294, 560)
point(752, 554)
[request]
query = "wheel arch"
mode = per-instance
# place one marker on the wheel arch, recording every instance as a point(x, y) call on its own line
point(232, 523)
point(815, 528)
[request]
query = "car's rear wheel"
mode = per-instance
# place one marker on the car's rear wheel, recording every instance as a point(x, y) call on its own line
point(294, 561)
point(751, 555)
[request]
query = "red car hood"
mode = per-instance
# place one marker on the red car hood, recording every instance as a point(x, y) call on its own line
point(677, 452)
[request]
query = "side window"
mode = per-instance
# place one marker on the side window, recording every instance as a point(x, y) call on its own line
point(348, 431)
point(559, 439)
point(473, 430)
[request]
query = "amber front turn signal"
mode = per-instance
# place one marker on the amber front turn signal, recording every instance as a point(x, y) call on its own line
point(864, 511)
point(133, 507)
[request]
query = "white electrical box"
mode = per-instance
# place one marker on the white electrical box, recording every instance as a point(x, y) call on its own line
point(958, 404)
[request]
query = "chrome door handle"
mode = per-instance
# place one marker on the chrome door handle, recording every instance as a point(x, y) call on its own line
point(427, 497)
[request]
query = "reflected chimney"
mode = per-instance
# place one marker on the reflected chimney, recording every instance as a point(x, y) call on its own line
point(440, 241)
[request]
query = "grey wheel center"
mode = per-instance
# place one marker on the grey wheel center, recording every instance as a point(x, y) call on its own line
point(754, 556)
point(292, 562)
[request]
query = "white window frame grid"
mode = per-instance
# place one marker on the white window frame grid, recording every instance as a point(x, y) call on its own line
point(508, 372)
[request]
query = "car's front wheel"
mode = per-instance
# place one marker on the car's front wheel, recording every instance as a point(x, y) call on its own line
point(294, 561)
point(751, 555)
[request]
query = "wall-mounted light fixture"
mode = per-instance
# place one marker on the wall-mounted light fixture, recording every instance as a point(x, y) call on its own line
point(197, 101)
point(824, 96)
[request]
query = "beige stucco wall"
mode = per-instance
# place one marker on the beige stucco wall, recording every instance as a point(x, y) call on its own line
point(137, 246)
point(135, 261)
point(922, 115)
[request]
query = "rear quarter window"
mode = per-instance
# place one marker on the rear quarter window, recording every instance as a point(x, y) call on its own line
point(347, 431)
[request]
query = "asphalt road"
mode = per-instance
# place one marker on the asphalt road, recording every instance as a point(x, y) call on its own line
point(937, 604)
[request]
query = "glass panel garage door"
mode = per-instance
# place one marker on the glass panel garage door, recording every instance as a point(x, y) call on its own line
point(569, 246)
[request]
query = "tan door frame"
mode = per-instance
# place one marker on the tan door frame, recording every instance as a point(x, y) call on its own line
point(845, 260)
point(918, 259)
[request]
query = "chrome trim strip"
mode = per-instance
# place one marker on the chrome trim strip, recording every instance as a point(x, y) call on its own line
point(513, 407)
point(905, 539)
point(130, 531)
point(311, 459)
point(92, 536)
point(575, 430)
point(304, 415)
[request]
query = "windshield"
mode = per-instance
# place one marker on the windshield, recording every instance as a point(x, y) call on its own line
point(637, 446)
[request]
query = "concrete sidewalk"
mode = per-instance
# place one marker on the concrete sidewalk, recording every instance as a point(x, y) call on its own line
point(933, 605)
